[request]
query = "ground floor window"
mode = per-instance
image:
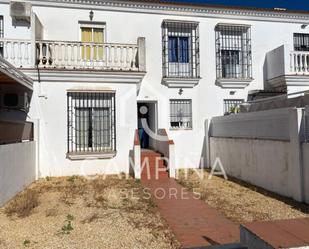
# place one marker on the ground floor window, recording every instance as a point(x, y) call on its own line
point(231, 105)
point(91, 122)
point(180, 113)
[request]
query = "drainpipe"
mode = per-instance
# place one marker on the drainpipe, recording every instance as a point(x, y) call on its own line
point(40, 94)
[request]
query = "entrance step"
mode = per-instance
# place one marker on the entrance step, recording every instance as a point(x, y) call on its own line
point(153, 166)
point(276, 234)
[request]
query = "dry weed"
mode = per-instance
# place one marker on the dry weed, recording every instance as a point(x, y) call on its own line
point(23, 204)
point(51, 212)
point(242, 202)
point(90, 218)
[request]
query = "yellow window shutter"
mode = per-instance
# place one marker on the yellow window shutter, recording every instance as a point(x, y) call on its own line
point(98, 37)
point(86, 37)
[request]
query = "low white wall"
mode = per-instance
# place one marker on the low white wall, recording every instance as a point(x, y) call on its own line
point(275, 60)
point(17, 168)
point(262, 148)
point(270, 124)
point(305, 148)
point(264, 163)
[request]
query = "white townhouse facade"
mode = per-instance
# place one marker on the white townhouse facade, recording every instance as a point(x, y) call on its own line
point(95, 64)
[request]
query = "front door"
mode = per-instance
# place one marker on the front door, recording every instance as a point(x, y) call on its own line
point(143, 115)
point(147, 123)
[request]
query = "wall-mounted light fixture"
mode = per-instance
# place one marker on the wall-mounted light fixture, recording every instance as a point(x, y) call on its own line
point(91, 15)
point(180, 91)
point(303, 26)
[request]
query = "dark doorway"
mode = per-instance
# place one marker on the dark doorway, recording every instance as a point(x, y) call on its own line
point(146, 113)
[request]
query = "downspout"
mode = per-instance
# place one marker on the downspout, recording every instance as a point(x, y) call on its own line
point(40, 94)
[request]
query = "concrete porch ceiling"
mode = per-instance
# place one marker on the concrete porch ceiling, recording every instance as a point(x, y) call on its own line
point(9, 75)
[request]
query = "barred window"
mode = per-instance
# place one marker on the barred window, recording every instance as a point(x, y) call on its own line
point(181, 113)
point(230, 105)
point(180, 53)
point(233, 51)
point(1, 34)
point(91, 122)
point(301, 42)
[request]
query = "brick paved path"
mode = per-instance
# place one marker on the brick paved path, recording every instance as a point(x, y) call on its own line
point(193, 222)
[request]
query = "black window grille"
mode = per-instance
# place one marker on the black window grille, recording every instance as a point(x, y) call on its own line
point(301, 42)
point(180, 49)
point(1, 34)
point(181, 113)
point(91, 122)
point(230, 105)
point(233, 52)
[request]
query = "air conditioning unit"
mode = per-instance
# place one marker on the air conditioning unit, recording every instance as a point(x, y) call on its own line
point(15, 101)
point(20, 11)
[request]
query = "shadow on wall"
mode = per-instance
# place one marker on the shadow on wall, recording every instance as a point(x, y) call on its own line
point(266, 86)
point(204, 159)
point(131, 160)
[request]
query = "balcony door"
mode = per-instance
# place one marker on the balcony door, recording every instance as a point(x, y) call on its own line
point(92, 39)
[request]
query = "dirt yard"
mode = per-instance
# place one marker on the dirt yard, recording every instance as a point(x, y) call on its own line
point(241, 202)
point(83, 213)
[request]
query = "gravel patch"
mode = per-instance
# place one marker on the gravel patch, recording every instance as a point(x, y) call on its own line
point(78, 213)
point(240, 201)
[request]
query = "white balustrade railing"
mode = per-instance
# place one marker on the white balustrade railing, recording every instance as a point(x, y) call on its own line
point(71, 55)
point(17, 52)
point(82, 55)
point(299, 62)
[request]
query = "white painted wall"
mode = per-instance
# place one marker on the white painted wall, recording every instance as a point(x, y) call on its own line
point(271, 162)
point(270, 124)
point(17, 168)
point(52, 113)
point(264, 163)
point(305, 148)
point(278, 61)
point(124, 26)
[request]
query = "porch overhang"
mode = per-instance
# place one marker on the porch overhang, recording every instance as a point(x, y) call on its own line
point(86, 76)
point(9, 75)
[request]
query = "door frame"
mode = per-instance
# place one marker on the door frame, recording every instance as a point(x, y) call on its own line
point(155, 103)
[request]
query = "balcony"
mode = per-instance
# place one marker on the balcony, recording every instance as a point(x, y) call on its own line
point(286, 68)
point(73, 55)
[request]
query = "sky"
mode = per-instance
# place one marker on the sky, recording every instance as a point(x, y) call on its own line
point(288, 4)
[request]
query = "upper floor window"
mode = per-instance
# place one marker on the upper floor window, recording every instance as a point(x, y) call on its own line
point(92, 34)
point(1, 34)
point(181, 113)
point(180, 49)
point(91, 122)
point(233, 51)
point(301, 42)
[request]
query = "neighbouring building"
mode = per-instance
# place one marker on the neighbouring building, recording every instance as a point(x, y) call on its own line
point(95, 64)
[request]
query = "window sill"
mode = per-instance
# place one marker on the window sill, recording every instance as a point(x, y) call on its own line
point(233, 82)
point(91, 156)
point(181, 129)
point(180, 82)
